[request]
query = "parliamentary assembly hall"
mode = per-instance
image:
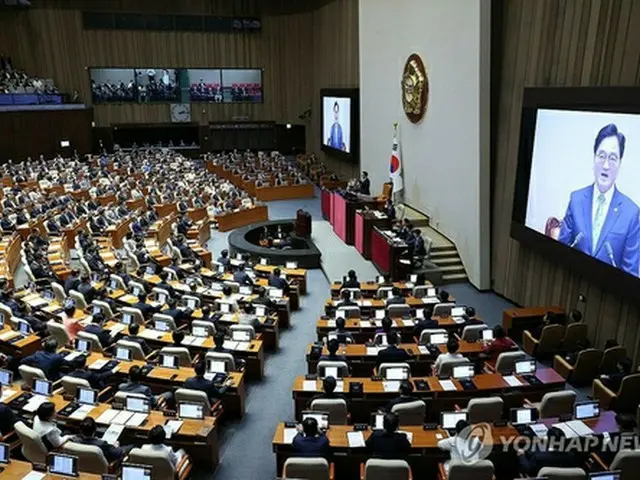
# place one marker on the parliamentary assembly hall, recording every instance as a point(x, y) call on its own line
point(319, 239)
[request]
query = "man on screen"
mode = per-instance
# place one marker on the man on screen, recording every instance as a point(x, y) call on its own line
point(600, 220)
point(335, 139)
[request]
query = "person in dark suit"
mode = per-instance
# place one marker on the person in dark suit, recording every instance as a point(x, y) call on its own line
point(365, 184)
point(443, 296)
point(470, 317)
point(202, 384)
point(38, 326)
point(95, 327)
point(218, 340)
point(119, 270)
point(7, 417)
point(352, 280)
point(72, 281)
point(135, 385)
point(87, 436)
point(53, 226)
point(146, 309)
point(406, 390)
point(601, 221)
point(47, 360)
point(328, 391)
point(392, 353)
point(613, 380)
point(97, 380)
point(276, 281)
point(179, 315)
point(39, 267)
point(263, 299)
point(309, 442)
point(425, 323)
point(332, 347)
point(345, 299)
point(86, 289)
point(134, 329)
point(390, 210)
point(224, 259)
point(396, 297)
point(550, 318)
point(388, 443)
point(242, 278)
point(341, 334)
point(532, 461)
point(164, 282)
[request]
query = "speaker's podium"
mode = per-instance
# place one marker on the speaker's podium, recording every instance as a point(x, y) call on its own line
point(303, 224)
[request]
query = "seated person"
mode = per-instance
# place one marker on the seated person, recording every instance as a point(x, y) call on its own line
point(549, 318)
point(38, 326)
point(224, 259)
point(47, 360)
point(242, 278)
point(470, 317)
point(98, 380)
point(532, 461)
point(86, 289)
point(332, 346)
point(426, 323)
point(500, 343)
point(613, 380)
point(278, 282)
point(328, 390)
point(44, 425)
point(310, 442)
point(388, 443)
point(71, 324)
point(340, 332)
point(396, 297)
point(461, 449)
point(392, 353)
point(72, 281)
point(218, 339)
point(164, 282)
point(87, 436)
point(352, 280)
point(177, 337)
point(443, 296)
point(135, 385)
point(227, 297)
point(406, 389)
point(146, 309)
point(180, 316)
point(95, 327)
point(345, 300)
point(263, 299)
point(134, 330)
point(248, 317)
point(7, 417)
point(157, 439)
point(207, 386)
point(387, 325)
point(452, 353)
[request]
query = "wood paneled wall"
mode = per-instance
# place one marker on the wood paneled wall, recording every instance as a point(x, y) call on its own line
point(558, 43)
point(300, 53)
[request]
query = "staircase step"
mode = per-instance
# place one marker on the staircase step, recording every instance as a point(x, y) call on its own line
point(454, 278)
point(452, 268)
point(452, 260)
point(442, 249)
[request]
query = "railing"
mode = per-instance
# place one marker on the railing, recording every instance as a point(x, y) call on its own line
point(30, 99)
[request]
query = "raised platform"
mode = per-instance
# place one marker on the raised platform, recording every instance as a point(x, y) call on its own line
point(245, 240)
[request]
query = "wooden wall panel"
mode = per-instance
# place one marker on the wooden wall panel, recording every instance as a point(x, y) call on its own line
point(558, 43)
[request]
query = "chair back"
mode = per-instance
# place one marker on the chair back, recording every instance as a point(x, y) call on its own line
point(308, 468)
point(410, 413)
point(58, 292)
point(382, 369)
point(227, 358)
point(555, 404)
point(120, 285)
point(480, 470)
point(586, 366)
point(425, 335)
point(629, 394)
point(421, 291)
point(194, 396)
point(485, 410)
point(446, 367)
point(168, 319)
point(90, 457)
point(136, 314)
point(352, 311)
point(191, 299)
point(57, 331)
point(184, 357)
point(161, 295)
point(628, 462)
point(29, 374)
point(84, 266)
point(550, 340)
point(383, 292)
point(137, 352)
point(506, 362)
point(343, 368)
point(473, 333)
point(380, 338)
point(443, 309)
point(157, 460)
point(559, 473)
point(136, 286)
point(399, 310)
point(71, 384)
point(244, 328)
point(120, 398)
point(574, 337)
point(6, 312)
point(379, 469)
point(96, 346)
point(33, 448)
point(210, 326)
point(335, 407)
point(235, 286)
point(355, 293)
point(81, 303)
point(104, 307)
point(610, 359)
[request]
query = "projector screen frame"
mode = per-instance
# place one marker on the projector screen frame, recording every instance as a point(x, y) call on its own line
point(600, 99)
point(354, 95)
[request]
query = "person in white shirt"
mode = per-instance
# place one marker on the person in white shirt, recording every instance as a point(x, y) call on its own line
point(45, 427)
point(452, 354)
point(461, 448)
point(157, 437)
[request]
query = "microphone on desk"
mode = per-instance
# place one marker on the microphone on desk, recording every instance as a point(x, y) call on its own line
point(607, 246)
point(576, 240)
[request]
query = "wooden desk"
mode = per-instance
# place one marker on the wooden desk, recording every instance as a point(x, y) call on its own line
point(516, 320)
point(70, 232)
point(197, 214)
point(58, 256)
point(200, 231)
point(364, 222)
point(21, 348)
point(367, 305)
point(488, 384)
point(385, 255)
point(425, 453)
point(299, 275)
point(370, 288)
point(165, 209)
point(18, 469)
point(10, 257)
point(161, 229)
point(362, 360)
point(107, 199)
point(80, 194)
point(265, 194)
point(38, 224)
point(240, 218)
point(136, 204)
point(119, 231)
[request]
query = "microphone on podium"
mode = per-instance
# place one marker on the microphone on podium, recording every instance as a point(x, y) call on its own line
point(576, 240)
point(607, 246)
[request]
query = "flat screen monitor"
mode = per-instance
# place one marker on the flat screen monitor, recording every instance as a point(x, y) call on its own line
point(42, 387)
point(585, 410)
point(135, 472)
point(449, 420)
point(217, 366)
point(169, 361)
point(240, 336)
point(523, 416)
point(83, 345)
point(60, 464)
point(124, 354)
point(190, 410)
point(336, 123)
point(525, 367)
point(396, 373)
point(87, 396)
point(321, 417)
point(6, 377)
point(463, 371)
point(137, 404)
point(617, 475)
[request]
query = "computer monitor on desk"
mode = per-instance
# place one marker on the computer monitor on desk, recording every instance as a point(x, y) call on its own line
point(4, 453)
point(585, 410)
point(86, 396)
point(321, 417)
point(131, 471)
point(190, 410)
point(449, 420)
point(60, 464)
point(615, 475)
point(6, 377)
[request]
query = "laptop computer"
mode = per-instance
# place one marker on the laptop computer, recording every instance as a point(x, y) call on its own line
point(4, 453)
point(240, 336)
point(169, 361)
point(398, 373)
point(83, 345)
point(86, 396)
point(615, 475)
point(527, 369)
point(487, 335)
point(464, 375)
point(190, 410)
point(42, 387)
point(127, 318)
point(377, 421)
point(438, 338)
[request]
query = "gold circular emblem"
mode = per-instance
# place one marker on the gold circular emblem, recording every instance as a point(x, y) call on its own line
point(415, 88)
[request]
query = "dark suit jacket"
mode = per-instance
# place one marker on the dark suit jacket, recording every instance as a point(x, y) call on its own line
point(88, 291)
point(532, 462)
point(111, 452)
point(179, 316)
point(7, 419)
point(242, 278)
point(278, 283)
point(351, 283)
point(96, 380)
point(103, 335)
point(392, 354)
point(206, 386)
point(399, 400)
point(146, 309)
point(388, 445)
point(138, 388)
point(399, 300)
point(140, 341)
point(365, 186)
point(333, 358)
point(311, 446)
point(424, 324)
point(49, 363)
point(620, 231)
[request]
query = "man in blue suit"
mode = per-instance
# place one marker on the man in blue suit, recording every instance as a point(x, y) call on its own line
point(600, 220)
point(335, 139)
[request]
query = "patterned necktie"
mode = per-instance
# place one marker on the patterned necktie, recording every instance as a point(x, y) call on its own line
point(598, 221)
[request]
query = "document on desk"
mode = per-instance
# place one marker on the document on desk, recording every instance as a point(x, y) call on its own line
point(378, 323)
point(309, 385)
point(243, 346)
point(430, 300)
point(112, 434)
point(98, 364)
point(372, 351)
point(423, 349)
point(8, 335)
point(408, 323)
point(6, 393)
point(367, 303)
point(391, 386)
point(116, 329)
point(581, 428)
point(188, 340)
point(151, 334)
point(568, 431)
point(34, 476)
point(512, 381)
point(33, 404)
point(107, 416)
point(71, 356)
point(137, 419)
point(227, 317)
point(448, 385)
point(82, 412)
point(231, 345)
point(458, 320)
point(408, 434)
point(331, 323)
point(289, 435)
point(356, 439)
point(339, 386)
point(172, 426)
point(365, 324)
point(122, 417)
